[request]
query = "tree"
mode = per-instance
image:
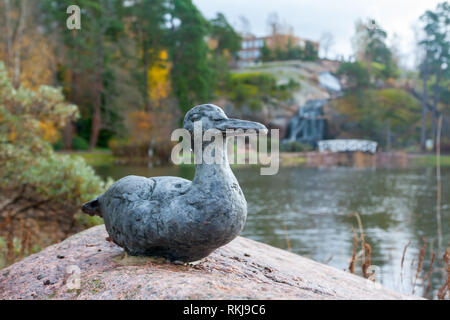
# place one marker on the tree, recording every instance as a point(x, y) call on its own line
point(370, 47)
point(38, 183)
point(310, 53)
point(27, 160)
point(26, 51)
point(356, 74)
point(436, 47)
point(91, 55)
point(148, 31)
point(228, 39)
point(14, 31)
point(365, 113)
point(191, 77)
point(266, 53)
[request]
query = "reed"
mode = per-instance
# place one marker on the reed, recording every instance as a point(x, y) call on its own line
point(444, 290)
point(351, 267)
point(420, 263)
point(430, 271)
point(367, 260)
point(403, 260)
point(286, 234)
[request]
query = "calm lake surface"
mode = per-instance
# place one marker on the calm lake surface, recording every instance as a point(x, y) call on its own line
point(312, 211)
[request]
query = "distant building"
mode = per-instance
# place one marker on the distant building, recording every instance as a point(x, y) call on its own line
point(251, 46)
point(250, 50)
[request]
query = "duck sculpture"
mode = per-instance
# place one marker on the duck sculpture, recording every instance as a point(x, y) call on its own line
point(175, 218)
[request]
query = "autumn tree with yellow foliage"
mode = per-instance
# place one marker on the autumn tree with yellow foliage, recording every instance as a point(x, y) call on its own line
point(27, 52)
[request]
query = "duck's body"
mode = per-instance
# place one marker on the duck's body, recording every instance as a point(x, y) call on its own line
point(174, 217)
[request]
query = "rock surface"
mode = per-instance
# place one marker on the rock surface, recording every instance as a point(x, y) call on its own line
point(243, 269)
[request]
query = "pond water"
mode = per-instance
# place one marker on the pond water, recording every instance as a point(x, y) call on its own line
point(312, 213)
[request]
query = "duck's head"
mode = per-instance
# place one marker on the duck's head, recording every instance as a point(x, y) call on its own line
point(213, 117)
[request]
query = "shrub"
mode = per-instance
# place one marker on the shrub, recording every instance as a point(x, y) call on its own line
point(252, 89)
point(43, 189)
point(80, 143)
point(366, 114)
point(26, 159)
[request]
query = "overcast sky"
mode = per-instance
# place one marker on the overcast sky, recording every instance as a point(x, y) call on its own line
point(310, 18)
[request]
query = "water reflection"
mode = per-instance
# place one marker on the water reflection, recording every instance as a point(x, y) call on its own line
point(315, 209)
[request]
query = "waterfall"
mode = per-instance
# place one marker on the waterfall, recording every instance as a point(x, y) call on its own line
point(308, 125)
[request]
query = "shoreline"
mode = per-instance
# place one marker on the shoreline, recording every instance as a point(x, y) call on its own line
point(394, 159)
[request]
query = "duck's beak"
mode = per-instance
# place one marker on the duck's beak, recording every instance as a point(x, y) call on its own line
point(236, 124)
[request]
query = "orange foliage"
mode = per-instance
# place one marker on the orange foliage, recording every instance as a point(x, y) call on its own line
point(12, 135)
point(38, 61)
point(149, 126)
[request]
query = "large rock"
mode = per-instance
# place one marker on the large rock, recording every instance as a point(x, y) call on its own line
point(243, 269)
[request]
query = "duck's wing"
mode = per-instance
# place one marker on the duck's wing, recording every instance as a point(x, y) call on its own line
point(133, 206)
point(132, 191)
point(130, 188)
point(166, 188)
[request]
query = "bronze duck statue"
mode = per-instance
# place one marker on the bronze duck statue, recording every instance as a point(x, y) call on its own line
point(172, 217)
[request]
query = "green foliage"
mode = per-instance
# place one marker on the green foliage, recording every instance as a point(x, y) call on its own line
point(435, 43)
point(26, 160)
point(371, 48)
point(266, 53)
point(436, 46)
point(291, 52)
point(295, 146)
point(356, 74)
point(253, 89)
point(148, 31)
point(368, 112)
point(310, 53)
point(228, 39)
point(106, 66)
point(430, 160)
point(190, 74)
point(96, 158)
point(95, 60)
point(79, 143)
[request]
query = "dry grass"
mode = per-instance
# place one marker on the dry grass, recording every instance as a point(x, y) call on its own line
point(428, 277)
point(367, 261)
point(286, 234)
point(403, 260)
point(351, 267)
point(445, 289)
point(365, 253)
point(16, 247)
point(420, 263)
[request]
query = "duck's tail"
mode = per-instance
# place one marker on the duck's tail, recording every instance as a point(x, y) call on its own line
point(92, 208)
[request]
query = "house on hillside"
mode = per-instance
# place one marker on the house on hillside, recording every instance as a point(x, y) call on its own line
point(251, 46)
